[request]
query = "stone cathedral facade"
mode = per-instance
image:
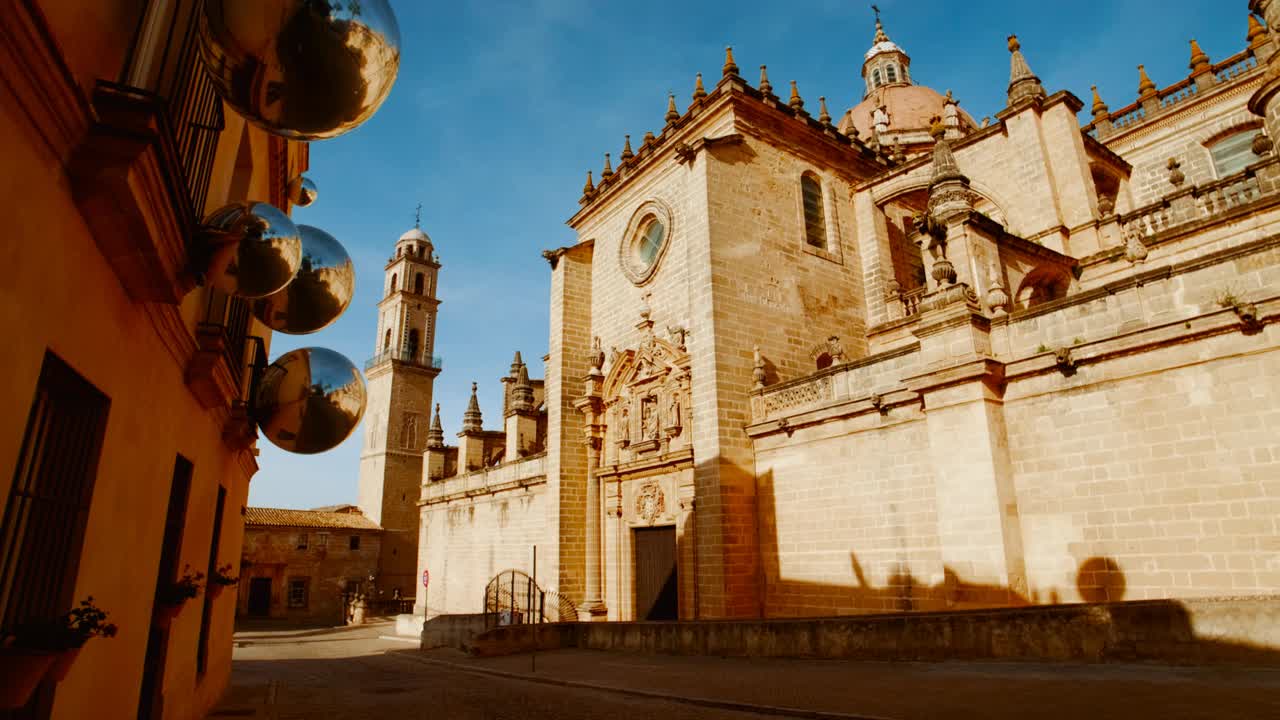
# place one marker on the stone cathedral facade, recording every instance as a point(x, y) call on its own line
point(804, 363)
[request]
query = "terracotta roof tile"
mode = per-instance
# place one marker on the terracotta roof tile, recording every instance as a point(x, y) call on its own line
point(280, 517)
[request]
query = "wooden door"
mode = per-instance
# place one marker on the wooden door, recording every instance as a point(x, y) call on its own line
point(260, 597)
point(657, 596)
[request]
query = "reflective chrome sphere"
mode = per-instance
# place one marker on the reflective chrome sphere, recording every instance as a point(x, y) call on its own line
point(318, 294)
point(254, 249)
point(304, 69)
point(309, 400)
point(302, 191)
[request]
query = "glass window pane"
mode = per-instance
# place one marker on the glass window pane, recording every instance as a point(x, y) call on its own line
point(1234, 153)
point(815, 227)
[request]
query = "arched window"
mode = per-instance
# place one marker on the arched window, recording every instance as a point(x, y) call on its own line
point(815, 225)
point(875, 78)
point(1234, 152)
point(411, 346)
point(394, 283)
point(892, 73)
point(418, 283)
point(386, 344)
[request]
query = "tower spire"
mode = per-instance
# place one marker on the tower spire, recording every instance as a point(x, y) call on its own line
point(471, 419)
point(1023, 84)
point(435, 435)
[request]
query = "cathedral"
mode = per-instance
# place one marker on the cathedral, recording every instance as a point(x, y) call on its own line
point(891, 359)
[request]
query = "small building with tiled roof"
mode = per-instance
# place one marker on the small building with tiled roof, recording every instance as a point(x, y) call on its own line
point(303, 565)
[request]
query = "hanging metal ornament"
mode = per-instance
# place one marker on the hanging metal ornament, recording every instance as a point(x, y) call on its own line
point(304, 69)
point(253, 249)
point(302, 191)
point(319, 292)
point(309, 400)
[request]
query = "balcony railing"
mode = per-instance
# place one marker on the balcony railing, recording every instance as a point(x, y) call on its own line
point(164, 63)
point(1206, 203)
point(405, 356)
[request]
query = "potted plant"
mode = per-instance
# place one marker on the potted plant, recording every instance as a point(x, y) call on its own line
point(48, 648)
point(222, 578)
point(171, 596)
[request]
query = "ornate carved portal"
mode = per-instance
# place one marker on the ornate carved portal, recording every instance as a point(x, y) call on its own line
point(645, 398)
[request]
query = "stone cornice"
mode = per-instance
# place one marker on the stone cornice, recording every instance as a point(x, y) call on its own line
point(38, 79)
point(1246, 82)
point(679, 460)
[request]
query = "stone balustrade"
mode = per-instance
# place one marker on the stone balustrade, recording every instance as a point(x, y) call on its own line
point(1204, 203)
point(520, 473)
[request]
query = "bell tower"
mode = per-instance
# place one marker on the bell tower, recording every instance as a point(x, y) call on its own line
point(400, 377)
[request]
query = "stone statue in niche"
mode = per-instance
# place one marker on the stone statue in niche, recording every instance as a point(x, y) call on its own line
point(649, 417)
point(673, 415)
point(624, 428)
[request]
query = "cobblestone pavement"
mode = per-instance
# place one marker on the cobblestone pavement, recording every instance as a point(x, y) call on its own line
point(351, 673)
point(345, 674)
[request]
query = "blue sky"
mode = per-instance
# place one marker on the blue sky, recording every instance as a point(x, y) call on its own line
point(501, 107)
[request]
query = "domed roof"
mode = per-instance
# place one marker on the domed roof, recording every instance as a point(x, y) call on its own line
point(883, 46)
point(414, 235)
point(910, 107)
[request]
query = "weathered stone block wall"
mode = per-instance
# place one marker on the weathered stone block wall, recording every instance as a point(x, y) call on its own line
point(847, 517)
point(467, 542)
point(328, 568)
point(1165, 463)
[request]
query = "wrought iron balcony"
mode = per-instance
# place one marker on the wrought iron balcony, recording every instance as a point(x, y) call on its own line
point(406, 356)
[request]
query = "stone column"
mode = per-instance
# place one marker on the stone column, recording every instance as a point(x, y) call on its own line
point(594, 599)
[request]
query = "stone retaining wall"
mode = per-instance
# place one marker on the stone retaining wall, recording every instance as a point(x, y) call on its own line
point(1213, 631)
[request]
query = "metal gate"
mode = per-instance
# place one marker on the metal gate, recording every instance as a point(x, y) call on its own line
point(513, 598)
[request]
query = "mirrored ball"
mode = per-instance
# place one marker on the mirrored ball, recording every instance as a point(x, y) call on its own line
point(304, 69)
point(254, 249)
point(302, 191)
point(309, 400)
point(320, 291)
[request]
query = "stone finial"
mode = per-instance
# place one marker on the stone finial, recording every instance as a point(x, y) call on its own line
point(1261, 144)
point(730, 67)
point(795, 103)
point(1176, 176)
point(672, 113)
point(766, 87)
point(1100, 109)
point(1135, 251)
point(1023, 84)
point(516, 362)
point(590, 188)
point(824, 117)
point(1146, 88)
point(626, 149)
point(758, 374)
point(607, 171)
point(595, 357)
point(522, 391)
point(852, 130)
point(649, 139)
point(948, 186)
point(881, 35)
point(1257, 34)
point(699, 91)
point(997, 296)
point(471, 419)
point(1199, 60)
point(435, 434)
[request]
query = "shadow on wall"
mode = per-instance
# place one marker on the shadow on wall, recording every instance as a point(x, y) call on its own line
point(1195, 630)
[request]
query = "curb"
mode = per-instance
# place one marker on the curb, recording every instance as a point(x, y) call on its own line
point(695, 701)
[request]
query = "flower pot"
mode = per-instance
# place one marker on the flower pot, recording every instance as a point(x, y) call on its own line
point(62, 664)
point(22, 670)
point(164, 612)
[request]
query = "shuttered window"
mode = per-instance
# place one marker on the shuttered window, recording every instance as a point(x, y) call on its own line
point(815, 225)
point(42, 533)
